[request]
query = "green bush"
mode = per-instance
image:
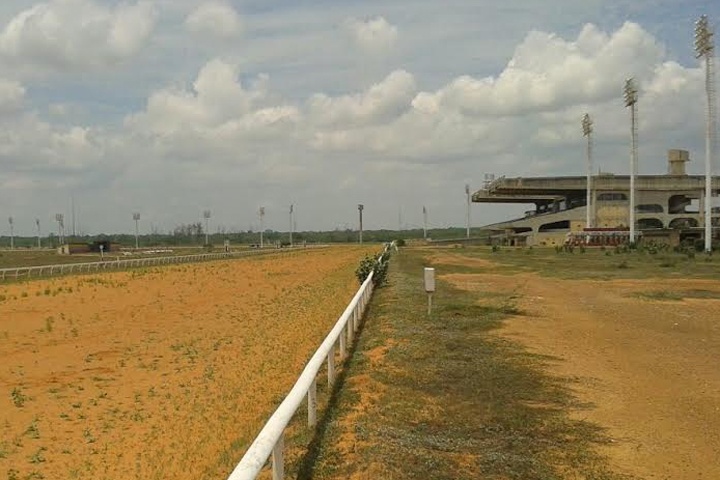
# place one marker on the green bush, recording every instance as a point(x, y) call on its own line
point(377, 264)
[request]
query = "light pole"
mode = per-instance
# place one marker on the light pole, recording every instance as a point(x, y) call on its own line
point(631, 96)
point(12, 233)
point(467, 211)
point(424, 222)
point(37, 224)
point(291, 224)
point(361, 207)
point(261, 213)
point(704, 47)
point(206, 216)
point(587, 126)
point(60, 219)
point(136, 217)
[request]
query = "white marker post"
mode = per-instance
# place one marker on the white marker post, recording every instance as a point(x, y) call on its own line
point(429, 286)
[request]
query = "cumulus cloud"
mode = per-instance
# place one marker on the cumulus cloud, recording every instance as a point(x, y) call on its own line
point(375, 35)
point(63, 34)
point(386, 99)
point(215, 19)
point(217, 102)
point(538, 97)
point(548, 72)
point(12, 94)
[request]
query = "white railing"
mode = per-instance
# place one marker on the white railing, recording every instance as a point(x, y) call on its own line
point(60, 269)
point(269, 441)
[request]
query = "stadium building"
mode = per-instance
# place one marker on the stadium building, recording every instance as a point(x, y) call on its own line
point(668, 208)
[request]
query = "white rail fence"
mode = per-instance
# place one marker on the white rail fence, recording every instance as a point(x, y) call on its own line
point(61, 269)
point(270, 440)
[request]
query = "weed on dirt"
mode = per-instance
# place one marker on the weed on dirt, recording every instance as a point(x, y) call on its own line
point(443, 397)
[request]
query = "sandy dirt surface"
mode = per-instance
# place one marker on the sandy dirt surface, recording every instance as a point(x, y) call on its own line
point(649, 369)
point(160, 373)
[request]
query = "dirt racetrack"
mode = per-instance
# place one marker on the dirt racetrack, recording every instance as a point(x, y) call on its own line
point(159, 373)
point(649, 368)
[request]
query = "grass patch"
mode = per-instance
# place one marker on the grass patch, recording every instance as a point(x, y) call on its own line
point(676, 296)
point(593, 264)
point(449, 399)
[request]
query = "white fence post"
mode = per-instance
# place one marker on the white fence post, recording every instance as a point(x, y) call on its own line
point(343, 350)
point(278, 459)
point(312, 404)
point(331, 367)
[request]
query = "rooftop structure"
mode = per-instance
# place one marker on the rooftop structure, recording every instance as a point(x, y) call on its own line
point(673, 201)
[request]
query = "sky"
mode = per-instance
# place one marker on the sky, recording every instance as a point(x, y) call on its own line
point(169, 108)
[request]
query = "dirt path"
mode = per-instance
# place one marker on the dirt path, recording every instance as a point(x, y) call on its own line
point(650, 368)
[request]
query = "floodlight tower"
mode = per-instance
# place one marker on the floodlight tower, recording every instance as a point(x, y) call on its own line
point(587, 126)
point(60, 218)
point(12, 233)
point(631, 96)
point(206, 216)
point(704, 47)
point(136, 217)
point(291, 224)
point(424, 222)
point(467, 211)
point(37, 224)
point(261, 214)
point(361, 207)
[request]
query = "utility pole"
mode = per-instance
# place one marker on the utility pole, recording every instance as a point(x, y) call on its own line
point(291, 224)
point(704, 47)
point(206, 216)
point(12, 233)
point(37, 224)
point(424, 222)
point(136, 217)
point(467, 212)
point(261, 213)
point(72, 211)
point(361, 207)
point(631, 97)
point(587, 126)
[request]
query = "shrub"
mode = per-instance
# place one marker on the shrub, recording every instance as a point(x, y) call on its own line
point(377, 264)
point(400, 242)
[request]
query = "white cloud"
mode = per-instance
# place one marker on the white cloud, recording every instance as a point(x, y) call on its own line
point(215, 19)
point(63, 34)
point(12, 94)
point(383, 100)
point(217, 102)
point(548, 72)
point(533, 106)
point(375, 35)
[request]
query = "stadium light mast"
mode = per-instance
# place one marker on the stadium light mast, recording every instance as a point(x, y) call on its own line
point(631, 96)
point(60, 219)
point(467, 211)
point(704, 47)
point(261, 214)
point(37, 224)
point(291, 224)
point(12, 233)
point(136, 217)
point(361, 207)
point(587, 126)
point(424, 222)
point(206, 216)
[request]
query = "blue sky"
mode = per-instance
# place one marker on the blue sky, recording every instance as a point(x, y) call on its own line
point(171, 107)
